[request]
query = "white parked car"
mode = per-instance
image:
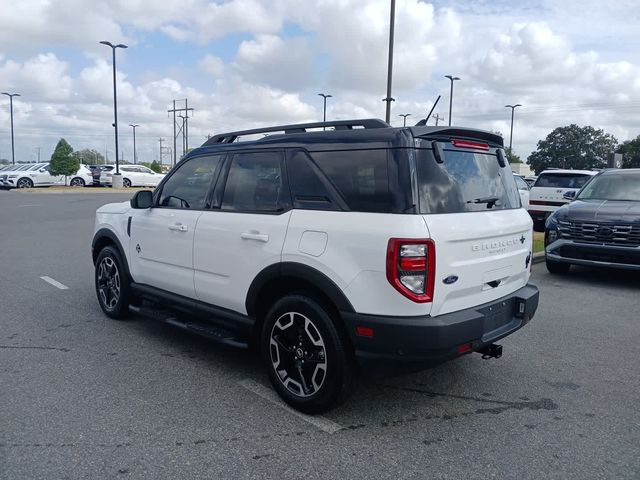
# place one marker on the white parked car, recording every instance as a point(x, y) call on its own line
point(37, 175)
point(396, 248)
point(132, 176)
point(523, 190)
point(547, 193)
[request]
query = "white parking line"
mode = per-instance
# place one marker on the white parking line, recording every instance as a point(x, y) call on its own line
point(324, 424)
point(55, 283)
point(30, 205)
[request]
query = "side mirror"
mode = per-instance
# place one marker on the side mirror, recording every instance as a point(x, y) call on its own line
point(502, 158)
point(142, 200)
point(569, 195)
point(42, 170)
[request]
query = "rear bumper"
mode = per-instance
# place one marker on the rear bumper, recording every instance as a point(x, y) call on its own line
point(414, 343)
point(610, 256)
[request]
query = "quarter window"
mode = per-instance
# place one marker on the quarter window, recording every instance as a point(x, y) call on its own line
point(255, 183)
point(189, 186)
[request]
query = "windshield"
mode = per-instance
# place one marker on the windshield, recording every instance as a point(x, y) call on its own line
point(613, 186)
point(464, 182)
point(562, 180)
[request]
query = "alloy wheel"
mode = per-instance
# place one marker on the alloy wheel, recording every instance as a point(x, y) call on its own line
point(298, 354)
point(108, 283)
point(25, 183)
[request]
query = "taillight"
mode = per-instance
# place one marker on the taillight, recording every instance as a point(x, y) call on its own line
point(411, 267)
point(469, 144)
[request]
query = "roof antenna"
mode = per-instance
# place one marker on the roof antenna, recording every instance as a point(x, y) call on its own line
point(425, 120)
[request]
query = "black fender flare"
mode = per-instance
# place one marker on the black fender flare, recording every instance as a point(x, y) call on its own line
point(303, 272)
point(106, 233)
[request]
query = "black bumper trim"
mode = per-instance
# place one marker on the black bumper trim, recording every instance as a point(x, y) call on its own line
point(410, 343)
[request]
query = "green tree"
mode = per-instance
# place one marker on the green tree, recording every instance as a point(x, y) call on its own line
point(573, 147)
point(512, 157)
point(63, 161)
point(89, 156)
point(630, 151)
point(155, 166)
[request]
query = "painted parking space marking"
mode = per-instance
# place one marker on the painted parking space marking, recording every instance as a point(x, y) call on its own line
point(55, 283)
point(322, 423)
point(30, 205)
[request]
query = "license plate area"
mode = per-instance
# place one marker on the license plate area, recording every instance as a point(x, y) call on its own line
point(498, 315)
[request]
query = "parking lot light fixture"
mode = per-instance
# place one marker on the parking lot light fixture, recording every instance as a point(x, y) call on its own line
point(11, 95)
point(512, 107)
point(115, 98)
point(452, 79)
point(324, 105)
point(404, 115)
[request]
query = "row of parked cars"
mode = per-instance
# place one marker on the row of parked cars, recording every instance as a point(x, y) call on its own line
point(31, 175)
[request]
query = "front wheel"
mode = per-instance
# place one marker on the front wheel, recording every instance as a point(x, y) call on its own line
point(309, 361)
point(112, 283)
point(126, 183)
point(25, 183)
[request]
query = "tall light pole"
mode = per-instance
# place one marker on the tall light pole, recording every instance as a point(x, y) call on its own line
point(135, 157)
point(11, 95)
point(512, 107)
point(324, 105)
point(115, 98)
point(389, 99)
point(404, 115)
point(453, 79)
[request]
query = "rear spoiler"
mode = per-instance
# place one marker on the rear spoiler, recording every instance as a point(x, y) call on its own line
point(442, 133)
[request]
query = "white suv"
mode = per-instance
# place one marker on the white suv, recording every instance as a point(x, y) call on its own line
point(548, 193)
point(132, 176)
point(387, 248)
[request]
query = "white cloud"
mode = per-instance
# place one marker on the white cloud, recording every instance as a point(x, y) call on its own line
point(212, 65)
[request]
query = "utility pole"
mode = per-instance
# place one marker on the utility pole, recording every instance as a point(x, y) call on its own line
point(134, 126)
point(161, 140)
point(437, 117)
point(38, 154)
point(181, 129)
point(388, 98)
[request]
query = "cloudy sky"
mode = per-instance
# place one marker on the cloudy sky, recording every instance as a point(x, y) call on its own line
point(246, 63)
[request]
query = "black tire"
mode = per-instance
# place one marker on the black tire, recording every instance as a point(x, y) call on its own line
point(558, 267)
point(126, 183)
point(77, 182)
point(24, 183)
point(298, 335)
point(112, 283)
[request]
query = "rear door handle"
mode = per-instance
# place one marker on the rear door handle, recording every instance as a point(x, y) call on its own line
point(260, 237)
point(179, 227)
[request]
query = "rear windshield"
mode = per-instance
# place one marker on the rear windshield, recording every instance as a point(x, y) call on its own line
point(562, 180)
point(464, 182)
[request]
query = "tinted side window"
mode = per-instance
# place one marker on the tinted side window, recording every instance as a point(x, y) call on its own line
point(189, 185)
point(308, 188)
point(361, 177)
point(255, 183)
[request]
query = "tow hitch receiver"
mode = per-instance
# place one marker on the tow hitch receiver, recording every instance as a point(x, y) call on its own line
point(491, 351)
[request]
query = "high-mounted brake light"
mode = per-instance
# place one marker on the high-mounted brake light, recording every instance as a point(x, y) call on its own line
point(469, 144)
point(411, 267)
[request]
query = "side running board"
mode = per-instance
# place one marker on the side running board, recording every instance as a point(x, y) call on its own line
point(201, 328)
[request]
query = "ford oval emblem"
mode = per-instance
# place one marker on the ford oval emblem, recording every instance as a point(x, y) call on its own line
point(450, 279)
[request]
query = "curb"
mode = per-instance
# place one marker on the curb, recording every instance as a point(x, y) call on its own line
point(538, 257)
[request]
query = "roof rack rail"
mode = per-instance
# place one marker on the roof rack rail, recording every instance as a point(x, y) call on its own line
point(298, 128)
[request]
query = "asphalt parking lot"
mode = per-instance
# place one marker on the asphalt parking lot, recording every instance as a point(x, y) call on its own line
point(83, 396)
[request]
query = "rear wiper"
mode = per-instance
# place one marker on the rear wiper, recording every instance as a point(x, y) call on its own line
point(490, 201)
